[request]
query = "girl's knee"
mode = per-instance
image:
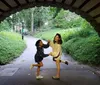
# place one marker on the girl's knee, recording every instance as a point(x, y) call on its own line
point(58, 61)
point(41, 65)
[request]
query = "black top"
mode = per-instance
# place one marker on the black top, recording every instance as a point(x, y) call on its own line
point(40, 53)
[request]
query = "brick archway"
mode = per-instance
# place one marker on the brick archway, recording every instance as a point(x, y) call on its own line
point(88, 9)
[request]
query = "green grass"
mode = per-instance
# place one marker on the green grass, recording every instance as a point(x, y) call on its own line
point(47, 34)
point(82, 44)
point(11, 46)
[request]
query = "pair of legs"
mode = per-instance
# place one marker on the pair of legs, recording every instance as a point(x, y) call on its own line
point(38, 65)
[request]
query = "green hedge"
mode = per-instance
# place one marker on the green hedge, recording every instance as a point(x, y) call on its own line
point(86, 50)
point(76, 32)
point(11, 46)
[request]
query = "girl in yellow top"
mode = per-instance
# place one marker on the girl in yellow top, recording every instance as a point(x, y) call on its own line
point(56, 53)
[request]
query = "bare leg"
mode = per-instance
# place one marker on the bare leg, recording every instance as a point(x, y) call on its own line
point(40, 64)
point(58, 68)
point(38, 71)
point(62, 61)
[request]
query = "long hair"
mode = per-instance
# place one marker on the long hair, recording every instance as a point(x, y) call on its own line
point(37, 43)
point(60, 39)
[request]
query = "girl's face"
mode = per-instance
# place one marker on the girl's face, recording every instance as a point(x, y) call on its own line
point(57, 38)
point(41, 43)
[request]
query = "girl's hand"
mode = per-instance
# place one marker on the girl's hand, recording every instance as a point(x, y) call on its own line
point(50, 53)
point(48, 41)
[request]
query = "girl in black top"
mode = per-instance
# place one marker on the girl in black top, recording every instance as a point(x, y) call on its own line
point(39, 57)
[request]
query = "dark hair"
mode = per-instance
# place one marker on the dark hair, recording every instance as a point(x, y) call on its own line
point(60, 41)
point(37, 43)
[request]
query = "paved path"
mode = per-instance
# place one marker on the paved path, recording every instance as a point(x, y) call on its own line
point(17, 72)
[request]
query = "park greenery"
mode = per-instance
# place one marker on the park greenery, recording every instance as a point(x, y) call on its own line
point(80, 40)
point(11, 46)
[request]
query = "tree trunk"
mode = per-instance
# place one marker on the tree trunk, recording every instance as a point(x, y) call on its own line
point(32, 21)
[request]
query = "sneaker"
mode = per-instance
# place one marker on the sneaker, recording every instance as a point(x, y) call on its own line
point(31, 67)
point(66, 62)
point(39, 77)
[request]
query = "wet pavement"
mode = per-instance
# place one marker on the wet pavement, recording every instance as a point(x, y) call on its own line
point(17, 72)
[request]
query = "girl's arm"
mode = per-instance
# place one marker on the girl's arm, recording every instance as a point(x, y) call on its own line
point(50, 43)
point(41, 53)
point(44, 55)
point(46, 45)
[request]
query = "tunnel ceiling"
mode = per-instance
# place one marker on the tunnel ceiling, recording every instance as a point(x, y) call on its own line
point(88, 9)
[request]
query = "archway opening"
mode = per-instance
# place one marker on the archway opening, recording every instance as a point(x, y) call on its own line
point(80, 40)
point(44, 22)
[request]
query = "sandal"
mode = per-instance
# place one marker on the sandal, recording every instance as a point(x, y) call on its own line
point(55, 78)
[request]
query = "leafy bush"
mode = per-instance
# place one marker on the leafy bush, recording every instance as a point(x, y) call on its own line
point(76, 32)
point(11, 46)
point(86, 50)
point(4, 26)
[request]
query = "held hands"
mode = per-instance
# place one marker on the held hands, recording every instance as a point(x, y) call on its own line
point(50, 53)
point(48, 41)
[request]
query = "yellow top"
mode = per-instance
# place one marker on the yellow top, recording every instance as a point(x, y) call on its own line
point(56, 49)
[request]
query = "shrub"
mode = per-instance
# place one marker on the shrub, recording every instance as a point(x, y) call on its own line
point(86, 50)
point(11, 46)
point(4, 26)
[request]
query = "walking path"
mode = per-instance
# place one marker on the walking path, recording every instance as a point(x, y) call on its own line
point(17, 72)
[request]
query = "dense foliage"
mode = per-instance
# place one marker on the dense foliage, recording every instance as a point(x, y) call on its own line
point(4, 26)
point(41, 15)
point(83, 45)
point(11, 46)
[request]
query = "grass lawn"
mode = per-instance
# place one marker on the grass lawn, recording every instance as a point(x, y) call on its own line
point(48, 34)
